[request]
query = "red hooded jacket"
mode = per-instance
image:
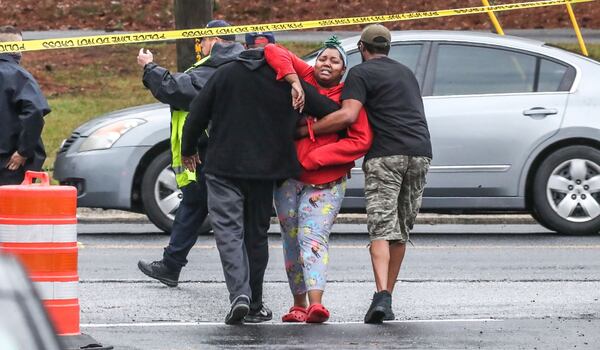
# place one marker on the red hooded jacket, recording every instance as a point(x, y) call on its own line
point(324, 158)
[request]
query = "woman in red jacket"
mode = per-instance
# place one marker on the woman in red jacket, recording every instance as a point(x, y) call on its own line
point(307, 206)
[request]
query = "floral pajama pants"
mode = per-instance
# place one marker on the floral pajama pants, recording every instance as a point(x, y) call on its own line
point(306, 215)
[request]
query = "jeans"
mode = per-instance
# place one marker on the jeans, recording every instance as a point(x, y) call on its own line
point(190, 215)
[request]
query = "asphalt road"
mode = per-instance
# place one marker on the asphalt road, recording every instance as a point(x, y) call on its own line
point(522, 289)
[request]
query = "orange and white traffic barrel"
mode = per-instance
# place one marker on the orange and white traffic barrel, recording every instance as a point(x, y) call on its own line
point(38, 225)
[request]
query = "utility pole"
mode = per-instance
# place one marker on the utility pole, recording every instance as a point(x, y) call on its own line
point(190, 14)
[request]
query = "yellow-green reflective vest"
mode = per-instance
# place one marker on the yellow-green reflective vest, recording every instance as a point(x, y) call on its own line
point(182, 175)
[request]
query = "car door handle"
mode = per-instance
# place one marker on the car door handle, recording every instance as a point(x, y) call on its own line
point(540, 112)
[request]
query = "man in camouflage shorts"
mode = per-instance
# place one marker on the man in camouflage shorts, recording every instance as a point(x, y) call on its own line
point(397, 162)
point(393, 191)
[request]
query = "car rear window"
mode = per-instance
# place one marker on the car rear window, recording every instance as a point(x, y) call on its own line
point(551, 75)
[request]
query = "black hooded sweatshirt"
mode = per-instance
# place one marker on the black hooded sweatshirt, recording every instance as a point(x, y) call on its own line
point(252, 121)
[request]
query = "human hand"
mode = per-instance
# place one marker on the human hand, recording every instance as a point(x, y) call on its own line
point(191, 162)
point(144, 58)
point(297, 97)
point(297, 91)
point(15, 162)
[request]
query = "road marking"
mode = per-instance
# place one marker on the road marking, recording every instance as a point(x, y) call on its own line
point(361, 246)
point(350, 281)
point(210, 324)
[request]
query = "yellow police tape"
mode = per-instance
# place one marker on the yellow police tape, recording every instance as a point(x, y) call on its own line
point(114, 39)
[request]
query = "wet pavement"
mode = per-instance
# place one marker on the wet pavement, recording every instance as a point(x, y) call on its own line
point(522, 289)
point(453, 334)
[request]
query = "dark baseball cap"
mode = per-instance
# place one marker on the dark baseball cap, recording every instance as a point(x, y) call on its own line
point(255, 38)
point(376, 35)
point(218, 23)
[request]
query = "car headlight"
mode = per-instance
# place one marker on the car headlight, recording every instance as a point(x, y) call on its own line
point(106, 136)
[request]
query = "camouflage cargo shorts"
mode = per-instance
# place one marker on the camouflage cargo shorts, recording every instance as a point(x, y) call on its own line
point(393, 191)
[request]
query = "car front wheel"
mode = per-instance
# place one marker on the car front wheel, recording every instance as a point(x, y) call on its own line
point(566, 191)
point(160, 194)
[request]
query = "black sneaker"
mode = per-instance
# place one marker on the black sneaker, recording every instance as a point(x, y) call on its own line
point(259, 314)
point(239, 309)
point(381, 304)
point(389, 316)
point(159, 271)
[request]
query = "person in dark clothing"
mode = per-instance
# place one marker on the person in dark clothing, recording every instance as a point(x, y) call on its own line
point(178, 90)
point(250, 147)
point(22, 111)
point(397, 162)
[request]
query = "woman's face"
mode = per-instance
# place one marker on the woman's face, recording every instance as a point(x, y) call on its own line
point(329, 68)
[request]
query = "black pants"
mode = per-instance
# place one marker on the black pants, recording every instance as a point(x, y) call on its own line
point(240, 211)
point(190, 215)
point(11, 177)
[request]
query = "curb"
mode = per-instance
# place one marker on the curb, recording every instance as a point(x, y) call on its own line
point(101, 216)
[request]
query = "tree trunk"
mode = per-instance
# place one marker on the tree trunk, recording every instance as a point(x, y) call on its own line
point(190, 14)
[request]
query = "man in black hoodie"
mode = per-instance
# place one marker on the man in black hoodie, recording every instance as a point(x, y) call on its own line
point(178, 90)
point(251, 145)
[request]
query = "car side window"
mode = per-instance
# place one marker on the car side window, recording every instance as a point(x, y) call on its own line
point(551, 76)
point(466, 70)
point(407, 54)
point(353, 60)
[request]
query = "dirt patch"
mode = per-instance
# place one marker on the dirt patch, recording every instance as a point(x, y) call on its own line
point(138, 15)
point(83, 70)
point(45, 65)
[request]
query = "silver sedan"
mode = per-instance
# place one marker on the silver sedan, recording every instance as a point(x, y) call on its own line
point(515, 126)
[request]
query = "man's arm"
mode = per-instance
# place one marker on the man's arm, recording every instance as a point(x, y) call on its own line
point(336, 121)
point(32, 107)
point(348, 149)
point(174, 89)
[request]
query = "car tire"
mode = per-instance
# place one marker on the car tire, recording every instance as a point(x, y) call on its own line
point(161, 196)
point(566, 191)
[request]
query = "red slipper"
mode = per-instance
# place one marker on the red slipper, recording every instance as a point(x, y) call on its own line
point(317, 313)
point(296, 314)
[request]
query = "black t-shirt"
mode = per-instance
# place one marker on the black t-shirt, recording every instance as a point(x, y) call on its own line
point(391, 95)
